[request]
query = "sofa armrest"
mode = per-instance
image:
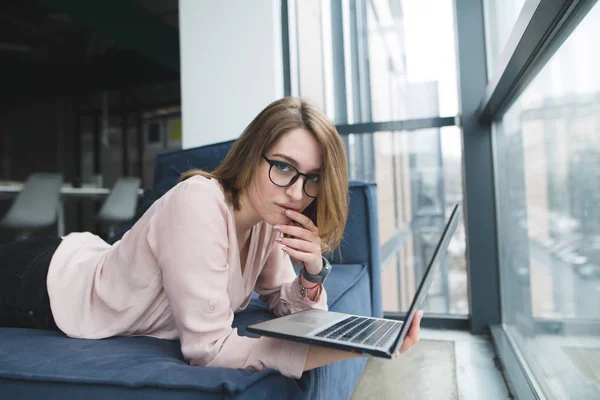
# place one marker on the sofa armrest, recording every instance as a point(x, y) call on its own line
point(360, 244)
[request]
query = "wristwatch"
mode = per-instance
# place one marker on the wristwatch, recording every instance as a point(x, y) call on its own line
point(320, 278)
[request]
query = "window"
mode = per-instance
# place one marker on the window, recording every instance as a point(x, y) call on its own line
point(419, 180)
point(364, 61)
point(500, 19)
point(411, 59)
point(547, 156)
point(311, 53)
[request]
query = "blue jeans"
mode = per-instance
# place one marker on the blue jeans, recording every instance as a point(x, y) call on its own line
point(24, 301)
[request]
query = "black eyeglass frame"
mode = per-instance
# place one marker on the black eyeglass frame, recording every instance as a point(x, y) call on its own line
point(294, 178)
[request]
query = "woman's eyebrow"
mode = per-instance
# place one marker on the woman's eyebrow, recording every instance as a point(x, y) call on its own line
point(295, 163)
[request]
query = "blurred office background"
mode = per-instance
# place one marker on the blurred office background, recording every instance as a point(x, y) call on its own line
point(491, 104)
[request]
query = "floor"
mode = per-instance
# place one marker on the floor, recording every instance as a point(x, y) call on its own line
point(443, 365)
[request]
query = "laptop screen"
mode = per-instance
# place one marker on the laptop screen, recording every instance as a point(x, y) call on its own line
point(432, 268)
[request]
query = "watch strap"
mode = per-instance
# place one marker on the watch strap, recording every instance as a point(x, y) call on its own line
point(320, 278)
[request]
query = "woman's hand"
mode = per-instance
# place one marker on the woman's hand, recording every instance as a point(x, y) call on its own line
point(412, 337)
point(305, 245)
point(318, 356)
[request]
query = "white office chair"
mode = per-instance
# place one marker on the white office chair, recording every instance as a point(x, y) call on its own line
point(119, 206)
point(36, 206)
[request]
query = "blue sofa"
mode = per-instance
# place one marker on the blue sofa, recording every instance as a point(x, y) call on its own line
point(49, 365)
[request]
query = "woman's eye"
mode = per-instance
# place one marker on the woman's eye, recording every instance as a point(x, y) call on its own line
point(314, 178)
point(283, 167)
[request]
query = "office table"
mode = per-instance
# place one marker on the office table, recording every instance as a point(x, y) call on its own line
point(11, 191)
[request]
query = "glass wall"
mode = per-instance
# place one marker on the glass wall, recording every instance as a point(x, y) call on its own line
point(419, 180)
point(547, 156)
point(412, 59)
point(500, 19)
point(311, 63)
point(388, 60)
point(399, 58)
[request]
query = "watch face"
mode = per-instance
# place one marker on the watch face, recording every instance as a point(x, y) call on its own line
point(325, 270)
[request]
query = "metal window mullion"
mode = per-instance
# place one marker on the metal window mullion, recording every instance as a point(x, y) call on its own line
point(479, 197)
point(353, 83)
point(355, 60)
point(339, 73)
point(522, 383)
point(339, 70)
point(328, 56)
point(401, 125)
point(540, 29)
point(293, 47)
point(285, 48)
point(349, 52)
point(364, 86)
point(364, 69)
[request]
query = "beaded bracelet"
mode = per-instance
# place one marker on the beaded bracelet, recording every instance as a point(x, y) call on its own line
point(304, 290)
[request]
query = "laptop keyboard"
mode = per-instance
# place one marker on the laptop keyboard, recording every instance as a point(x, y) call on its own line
point(372, 332)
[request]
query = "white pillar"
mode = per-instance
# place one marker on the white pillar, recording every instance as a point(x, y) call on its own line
point(231, 65)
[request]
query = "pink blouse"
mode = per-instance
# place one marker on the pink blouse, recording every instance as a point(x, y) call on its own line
point(177, 274)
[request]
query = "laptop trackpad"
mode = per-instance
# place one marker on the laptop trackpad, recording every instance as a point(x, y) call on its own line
point(308, 320)
point(301, 323)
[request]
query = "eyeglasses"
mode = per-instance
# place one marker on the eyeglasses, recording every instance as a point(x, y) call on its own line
point(283, 174)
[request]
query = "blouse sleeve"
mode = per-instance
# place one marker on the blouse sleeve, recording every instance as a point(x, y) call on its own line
point(278, 286)
point(190, 240)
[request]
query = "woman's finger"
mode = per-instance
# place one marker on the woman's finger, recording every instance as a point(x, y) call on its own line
point(414, 333)
point(408, 343)
point(302, 220)
point(300, 245)
point(297, 232)
point(415, 327)
point(299, 255)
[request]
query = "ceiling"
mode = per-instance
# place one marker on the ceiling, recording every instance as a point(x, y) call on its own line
point(65, 47)
point(168, 10)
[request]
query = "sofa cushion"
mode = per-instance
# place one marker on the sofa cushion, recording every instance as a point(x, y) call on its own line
point(113, 367)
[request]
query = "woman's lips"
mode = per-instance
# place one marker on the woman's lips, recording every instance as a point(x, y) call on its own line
point(286, 207)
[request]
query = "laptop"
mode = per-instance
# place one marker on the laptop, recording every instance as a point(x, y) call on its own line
point(378, 337)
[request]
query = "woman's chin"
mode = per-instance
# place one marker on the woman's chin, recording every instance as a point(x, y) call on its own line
point(277, 219)
point(283, 219)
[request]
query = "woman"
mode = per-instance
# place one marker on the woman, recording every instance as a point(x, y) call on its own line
point(194, 258)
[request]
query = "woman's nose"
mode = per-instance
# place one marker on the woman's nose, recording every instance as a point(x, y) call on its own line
point(295, 191)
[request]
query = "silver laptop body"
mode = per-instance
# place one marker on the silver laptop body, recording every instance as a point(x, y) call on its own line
point(379, 337)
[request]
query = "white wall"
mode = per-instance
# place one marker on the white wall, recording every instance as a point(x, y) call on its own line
point(231, 65)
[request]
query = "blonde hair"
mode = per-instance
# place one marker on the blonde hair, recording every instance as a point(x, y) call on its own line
point(329, 210)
